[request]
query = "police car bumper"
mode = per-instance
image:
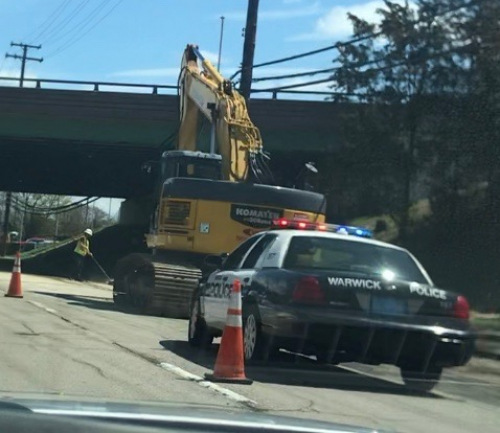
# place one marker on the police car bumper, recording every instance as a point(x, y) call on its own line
point(358, 337)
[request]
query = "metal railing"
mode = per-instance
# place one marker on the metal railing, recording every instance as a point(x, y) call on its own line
point(97, 86)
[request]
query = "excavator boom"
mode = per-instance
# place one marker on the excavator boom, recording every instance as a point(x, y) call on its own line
point(233, 134)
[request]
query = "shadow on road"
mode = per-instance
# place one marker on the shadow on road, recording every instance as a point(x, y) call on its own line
point(92, 302)
point(288, 369)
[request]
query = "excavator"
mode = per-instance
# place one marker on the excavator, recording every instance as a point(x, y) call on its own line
point(206, 203)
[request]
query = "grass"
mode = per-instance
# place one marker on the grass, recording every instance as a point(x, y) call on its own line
point(492, 323)
point(419, 211)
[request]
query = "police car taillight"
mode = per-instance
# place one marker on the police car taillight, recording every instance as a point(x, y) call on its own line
point(308, 291)
point(284, 223)
point(461, 308)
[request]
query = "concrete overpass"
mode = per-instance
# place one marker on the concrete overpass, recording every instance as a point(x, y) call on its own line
point(93, 142)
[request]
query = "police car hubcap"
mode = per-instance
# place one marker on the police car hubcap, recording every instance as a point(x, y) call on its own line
point(250, 336)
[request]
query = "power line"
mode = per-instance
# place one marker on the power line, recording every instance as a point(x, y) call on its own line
point(78, 38)
point(25, 207)
point(48, 22)
point(293, 86)
point(44, 208)
point(368, 63)
point(346, 43)
point(49, 39)
point(308, 53)
point(297, 75)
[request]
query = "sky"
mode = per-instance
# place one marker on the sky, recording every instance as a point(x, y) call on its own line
point(141, 41)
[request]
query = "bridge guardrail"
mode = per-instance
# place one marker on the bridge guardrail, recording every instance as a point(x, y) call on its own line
point(96, 86)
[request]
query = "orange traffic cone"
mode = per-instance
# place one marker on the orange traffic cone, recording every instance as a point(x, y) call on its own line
point(15, 290)
point(230, 365)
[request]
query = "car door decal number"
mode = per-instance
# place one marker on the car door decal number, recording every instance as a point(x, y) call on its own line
point(219, 289)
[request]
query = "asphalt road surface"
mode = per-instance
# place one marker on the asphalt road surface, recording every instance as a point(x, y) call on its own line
point(66, 339)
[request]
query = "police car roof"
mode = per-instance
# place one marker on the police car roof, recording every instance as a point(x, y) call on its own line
point(331, 235)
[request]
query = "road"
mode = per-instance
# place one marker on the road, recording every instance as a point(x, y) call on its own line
point(65, 338)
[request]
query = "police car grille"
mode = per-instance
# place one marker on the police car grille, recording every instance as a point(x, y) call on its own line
point(177, 213)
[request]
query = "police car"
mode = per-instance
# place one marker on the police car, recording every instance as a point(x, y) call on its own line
point(333, 292)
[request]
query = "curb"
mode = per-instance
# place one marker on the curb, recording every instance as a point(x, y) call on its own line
point(488, 345)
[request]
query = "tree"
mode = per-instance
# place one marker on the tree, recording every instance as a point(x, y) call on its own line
point(54, 216)
point(400, 68)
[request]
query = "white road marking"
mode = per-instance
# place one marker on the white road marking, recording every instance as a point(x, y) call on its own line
point(205, 384)
point(181, 372)
point(43, 307)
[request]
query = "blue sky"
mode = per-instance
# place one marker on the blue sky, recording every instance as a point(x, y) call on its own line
point(141, 41)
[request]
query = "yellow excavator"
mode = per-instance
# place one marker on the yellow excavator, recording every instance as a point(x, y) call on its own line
point(208, 202)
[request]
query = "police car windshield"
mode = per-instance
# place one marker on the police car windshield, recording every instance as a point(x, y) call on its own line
point(311, 252)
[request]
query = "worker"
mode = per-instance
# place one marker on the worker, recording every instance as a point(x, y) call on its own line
point(81, 251)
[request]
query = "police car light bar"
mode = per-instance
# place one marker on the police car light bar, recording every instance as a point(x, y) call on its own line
point(284, 223)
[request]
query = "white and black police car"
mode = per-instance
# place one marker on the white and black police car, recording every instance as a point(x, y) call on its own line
point(333, 292)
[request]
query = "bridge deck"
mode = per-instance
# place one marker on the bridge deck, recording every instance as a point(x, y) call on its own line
point(94, 142)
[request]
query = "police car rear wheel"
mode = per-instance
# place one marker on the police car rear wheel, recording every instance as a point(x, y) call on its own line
point(198, 333)
point(421, 381)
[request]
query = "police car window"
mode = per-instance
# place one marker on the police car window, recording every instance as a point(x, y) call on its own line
point(257, 250)
point(310, 252)
point(235, 258)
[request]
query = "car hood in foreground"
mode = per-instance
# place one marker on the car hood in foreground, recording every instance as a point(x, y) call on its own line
point(168, 414)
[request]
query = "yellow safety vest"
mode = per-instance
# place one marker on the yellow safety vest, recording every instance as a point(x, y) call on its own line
point(82, 246)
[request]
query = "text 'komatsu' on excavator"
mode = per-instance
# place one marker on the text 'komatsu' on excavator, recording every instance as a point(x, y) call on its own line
point(207, 202)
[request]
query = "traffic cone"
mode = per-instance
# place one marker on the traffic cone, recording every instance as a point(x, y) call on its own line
point(15, 290)
point(230, 365)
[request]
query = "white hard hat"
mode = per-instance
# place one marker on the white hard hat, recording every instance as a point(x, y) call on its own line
point(88, 231)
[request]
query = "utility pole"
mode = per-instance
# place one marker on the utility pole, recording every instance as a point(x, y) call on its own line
point(24, 58)
point(5, 228)
point(249, 48)
point(220, 41)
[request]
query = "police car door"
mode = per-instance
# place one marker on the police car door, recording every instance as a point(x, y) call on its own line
point(253, 260)
point(218, 286)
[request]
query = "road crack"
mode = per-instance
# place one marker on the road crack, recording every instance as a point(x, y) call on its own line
point(88, 364)
point(308, 408)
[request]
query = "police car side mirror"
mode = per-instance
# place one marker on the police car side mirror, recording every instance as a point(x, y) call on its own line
point(215, 261)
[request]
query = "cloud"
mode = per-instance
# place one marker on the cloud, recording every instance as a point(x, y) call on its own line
point(148, 73)
point(168, 72)
point(15, 73)
point(335, 24)
point(213, 57)
point(278, 14)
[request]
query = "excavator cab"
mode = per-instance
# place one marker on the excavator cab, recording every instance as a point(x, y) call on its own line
point(189, 164)
point(185, 163)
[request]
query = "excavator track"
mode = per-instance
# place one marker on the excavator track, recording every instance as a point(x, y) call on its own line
point(152, 287)
point(174, 286)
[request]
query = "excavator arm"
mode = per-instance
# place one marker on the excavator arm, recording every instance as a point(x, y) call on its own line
point(205, 91)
